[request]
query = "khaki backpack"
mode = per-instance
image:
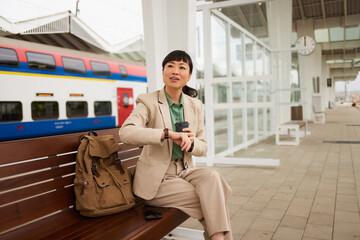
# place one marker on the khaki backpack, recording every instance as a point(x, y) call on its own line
point(102, 183)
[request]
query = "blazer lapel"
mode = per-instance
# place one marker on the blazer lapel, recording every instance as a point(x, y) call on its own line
point(164, 109)
point(188, 109)
point(165, 112)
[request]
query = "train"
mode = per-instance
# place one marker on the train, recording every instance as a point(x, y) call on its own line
point(47, 90)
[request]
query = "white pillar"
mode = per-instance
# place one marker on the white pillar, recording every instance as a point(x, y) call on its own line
point(309, 67)
point(168, 25)
point(279, 14)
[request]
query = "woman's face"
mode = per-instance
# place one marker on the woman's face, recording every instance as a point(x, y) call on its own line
point(176, 74)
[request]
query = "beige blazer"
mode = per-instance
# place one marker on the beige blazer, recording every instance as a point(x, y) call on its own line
point(145, 126)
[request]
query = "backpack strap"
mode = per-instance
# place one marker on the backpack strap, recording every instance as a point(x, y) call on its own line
point(94, 167)
point(118, 163)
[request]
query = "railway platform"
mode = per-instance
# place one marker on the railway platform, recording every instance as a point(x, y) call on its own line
point(315, 192)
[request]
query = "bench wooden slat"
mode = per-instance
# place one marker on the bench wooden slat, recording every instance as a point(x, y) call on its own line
point(35, 177)
point(23, 193)
point(127, 225)
point(43, 227)
point(152, 231)
point(130, 153)
point(95, 229)
point(45, 146)
point(34, 208)
point(36, 165)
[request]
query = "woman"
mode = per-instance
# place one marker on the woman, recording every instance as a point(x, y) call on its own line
point(165, 175)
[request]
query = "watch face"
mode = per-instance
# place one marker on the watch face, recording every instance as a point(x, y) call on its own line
point(306, 45)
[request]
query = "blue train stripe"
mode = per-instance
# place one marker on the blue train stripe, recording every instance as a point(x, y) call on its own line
point(21, 130)
point(24, 68)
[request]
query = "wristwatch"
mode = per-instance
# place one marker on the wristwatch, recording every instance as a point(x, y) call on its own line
point(191, 148)
point(166, 133)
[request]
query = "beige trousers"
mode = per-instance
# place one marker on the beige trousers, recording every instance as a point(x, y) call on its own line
point(201, 193)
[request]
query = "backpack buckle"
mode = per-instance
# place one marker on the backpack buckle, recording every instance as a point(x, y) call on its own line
point(94, 168)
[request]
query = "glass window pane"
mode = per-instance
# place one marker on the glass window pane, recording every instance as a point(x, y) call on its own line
point(199, 45)
point(260, 91)
point(238, 126)
point(268, 91)
point(40, 61)
point(237, 92)
point(250, 91)
point(218, 33)
point(220, 93)
point(76, 109)
point(102, 108)
point(268, 119)
point(44, 110)
point(125, 100)
point(261, 120)
point(250, 124)
point(221, 130)
point(73, 65)
point(337, 34)
point(123, 71)
point(249, 60)
point(321, 35)
point(293, 38)
point(10, 111)
point(100, 68)
point(267, 62)
point(236, 52)
point(259, 60)
point(352, 33)
point(8, 57)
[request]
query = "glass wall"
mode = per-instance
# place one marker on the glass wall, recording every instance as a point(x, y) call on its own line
point(239, 82)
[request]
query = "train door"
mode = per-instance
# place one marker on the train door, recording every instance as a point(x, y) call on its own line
point(125, 103)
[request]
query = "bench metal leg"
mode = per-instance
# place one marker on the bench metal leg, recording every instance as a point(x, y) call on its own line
point(288, 128)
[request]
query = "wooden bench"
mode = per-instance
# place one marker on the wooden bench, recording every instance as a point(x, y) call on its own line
point(37, 196)
point(288, 127)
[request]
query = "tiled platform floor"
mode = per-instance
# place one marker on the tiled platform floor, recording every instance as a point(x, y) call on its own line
point(314, 194)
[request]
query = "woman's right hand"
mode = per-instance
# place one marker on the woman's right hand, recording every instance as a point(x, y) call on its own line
point(182, 139)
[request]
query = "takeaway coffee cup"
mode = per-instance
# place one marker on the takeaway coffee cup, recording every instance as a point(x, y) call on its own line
point(179, 126)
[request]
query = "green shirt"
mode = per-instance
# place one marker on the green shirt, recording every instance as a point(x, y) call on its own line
point(176, 115)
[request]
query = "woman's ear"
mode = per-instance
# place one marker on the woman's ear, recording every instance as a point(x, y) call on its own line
point(189, 77)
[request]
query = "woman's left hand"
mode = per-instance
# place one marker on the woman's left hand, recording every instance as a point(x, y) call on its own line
point(190, 134)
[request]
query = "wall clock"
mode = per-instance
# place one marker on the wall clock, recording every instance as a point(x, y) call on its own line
point(306, 44)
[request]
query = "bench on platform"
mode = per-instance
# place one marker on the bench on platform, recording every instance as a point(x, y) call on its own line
point(37, 196)
point(318, 117)
point(287, 127)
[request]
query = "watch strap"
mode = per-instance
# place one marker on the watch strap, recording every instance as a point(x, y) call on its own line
point(166, 133)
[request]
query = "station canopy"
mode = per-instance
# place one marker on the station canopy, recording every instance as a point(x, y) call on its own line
point(66, 30)
point(336, 27)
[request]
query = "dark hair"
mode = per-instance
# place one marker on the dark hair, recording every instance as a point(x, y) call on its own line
point(179, 55)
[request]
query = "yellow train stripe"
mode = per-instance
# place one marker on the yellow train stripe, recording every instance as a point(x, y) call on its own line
point(55, 76)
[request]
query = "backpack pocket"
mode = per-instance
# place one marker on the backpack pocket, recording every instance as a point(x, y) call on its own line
point(108, 193)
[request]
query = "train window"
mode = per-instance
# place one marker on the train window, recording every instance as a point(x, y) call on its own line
point(10, 111)
point(73, 65)
point(8, 57)
point(76, 109)
point(102, 108)
point(41, 61)
point(123, 71)
point(125, 100)
point(100, 68)
point(44, 110)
